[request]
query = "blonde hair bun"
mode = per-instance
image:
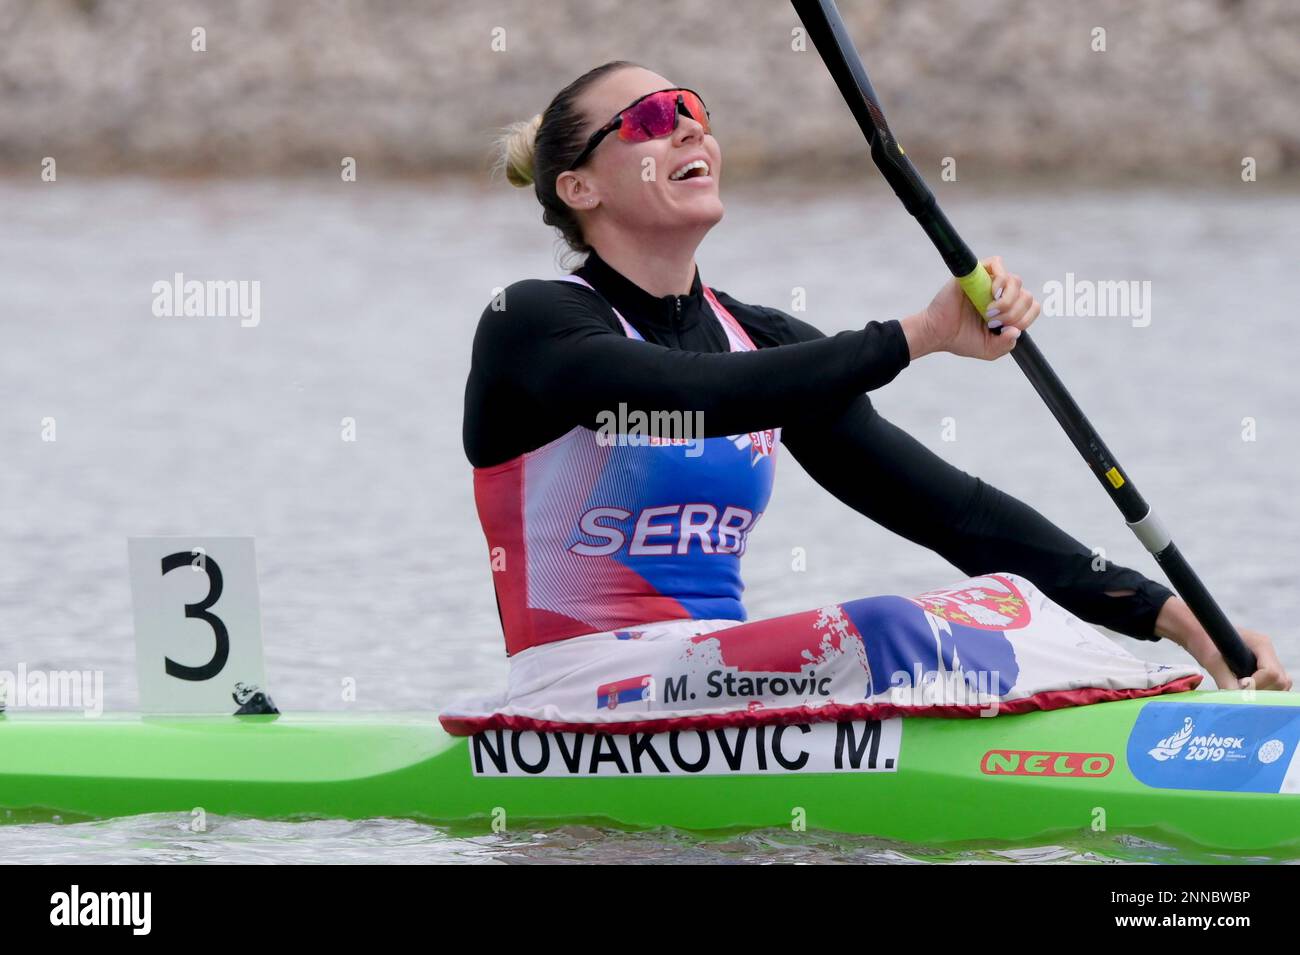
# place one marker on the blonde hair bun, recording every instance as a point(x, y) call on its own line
point(516, 150)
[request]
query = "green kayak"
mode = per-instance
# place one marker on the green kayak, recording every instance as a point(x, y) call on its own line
point(1216, 769)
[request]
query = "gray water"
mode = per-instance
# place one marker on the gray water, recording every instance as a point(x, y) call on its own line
point(372, 565)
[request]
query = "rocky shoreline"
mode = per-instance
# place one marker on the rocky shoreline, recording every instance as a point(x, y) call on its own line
point(1182, 89)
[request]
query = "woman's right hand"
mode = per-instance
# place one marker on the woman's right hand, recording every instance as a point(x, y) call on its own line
point(950, 323)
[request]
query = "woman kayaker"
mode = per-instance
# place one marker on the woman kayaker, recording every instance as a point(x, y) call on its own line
point(594, 533)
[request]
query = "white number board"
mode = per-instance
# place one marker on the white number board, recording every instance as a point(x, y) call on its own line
point(198, 627)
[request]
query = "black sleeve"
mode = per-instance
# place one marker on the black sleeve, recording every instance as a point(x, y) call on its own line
point(556, 345)
point(886, 474)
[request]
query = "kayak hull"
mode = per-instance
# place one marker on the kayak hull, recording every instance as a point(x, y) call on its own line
point(1007, 779)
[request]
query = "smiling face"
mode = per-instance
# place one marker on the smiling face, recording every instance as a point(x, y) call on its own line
point(662, 186)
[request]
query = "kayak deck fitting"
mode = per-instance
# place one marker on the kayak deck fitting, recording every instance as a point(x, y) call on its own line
point(1223, 778)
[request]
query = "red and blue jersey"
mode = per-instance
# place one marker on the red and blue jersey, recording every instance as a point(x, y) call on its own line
point(588, 536)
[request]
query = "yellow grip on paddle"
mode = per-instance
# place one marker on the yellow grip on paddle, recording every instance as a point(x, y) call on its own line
point(978, 286)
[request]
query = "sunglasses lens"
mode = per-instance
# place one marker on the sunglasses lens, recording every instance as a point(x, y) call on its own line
point(651, 118)
point(695, 106)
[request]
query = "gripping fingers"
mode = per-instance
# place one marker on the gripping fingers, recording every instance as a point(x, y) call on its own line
point(1006, 295)
point(1001, 299)
point(997, 315)
point(995, 285)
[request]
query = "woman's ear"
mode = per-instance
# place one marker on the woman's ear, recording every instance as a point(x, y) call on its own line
point(574, 191)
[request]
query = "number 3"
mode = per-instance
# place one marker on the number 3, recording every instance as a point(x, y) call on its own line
point(200, 611)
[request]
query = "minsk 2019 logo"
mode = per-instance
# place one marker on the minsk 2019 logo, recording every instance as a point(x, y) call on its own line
point(1210, 747)
point(1172, 745)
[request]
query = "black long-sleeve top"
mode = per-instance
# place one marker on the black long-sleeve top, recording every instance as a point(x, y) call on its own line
point(549, 356)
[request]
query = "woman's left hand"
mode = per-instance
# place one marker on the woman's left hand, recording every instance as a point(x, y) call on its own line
point(1177, 623)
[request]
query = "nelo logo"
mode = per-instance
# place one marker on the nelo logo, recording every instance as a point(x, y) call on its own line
point(1020, 762)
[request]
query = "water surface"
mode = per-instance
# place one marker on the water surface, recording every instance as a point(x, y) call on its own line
point(372, 564)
